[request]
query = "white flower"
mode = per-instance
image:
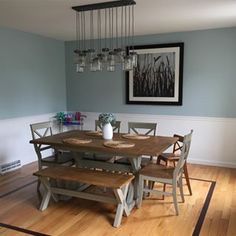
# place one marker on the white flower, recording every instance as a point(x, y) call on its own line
point(106, 118)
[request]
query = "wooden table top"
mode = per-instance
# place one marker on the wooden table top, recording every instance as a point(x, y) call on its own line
point(153, 146)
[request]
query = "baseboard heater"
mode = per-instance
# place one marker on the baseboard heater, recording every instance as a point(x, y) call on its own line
point(4, 168)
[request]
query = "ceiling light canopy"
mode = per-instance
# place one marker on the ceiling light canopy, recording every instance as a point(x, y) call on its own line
point(110, 29)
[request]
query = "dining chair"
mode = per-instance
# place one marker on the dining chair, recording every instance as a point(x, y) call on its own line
point(173, 158)
point(52, 157)
point(166, 175)
point(115, 126)
point(140, 128)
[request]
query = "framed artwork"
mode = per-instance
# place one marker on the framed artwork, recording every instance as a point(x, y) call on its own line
point(158, 77)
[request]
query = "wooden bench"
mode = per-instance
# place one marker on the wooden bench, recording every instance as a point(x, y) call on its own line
point(119, 183)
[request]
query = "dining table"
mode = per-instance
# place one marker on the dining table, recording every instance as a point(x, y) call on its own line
point(84, 153)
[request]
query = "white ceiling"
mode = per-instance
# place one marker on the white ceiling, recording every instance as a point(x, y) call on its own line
point(56, 19)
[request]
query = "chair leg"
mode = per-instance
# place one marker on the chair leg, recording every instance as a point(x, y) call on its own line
point(151, 184)
point(164, 186)
point(164, 189)
point(145, 184)
point(174, 163)
point(174, 192)
point(181, 188)
point(38, 186)
point(187, 178)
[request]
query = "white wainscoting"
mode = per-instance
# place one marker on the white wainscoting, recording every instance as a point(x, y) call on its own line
point(15, 136)
point(214, 139)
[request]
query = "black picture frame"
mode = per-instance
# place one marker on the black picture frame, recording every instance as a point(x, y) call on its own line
point(158, 78)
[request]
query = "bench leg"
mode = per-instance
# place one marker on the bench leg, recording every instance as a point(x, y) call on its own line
point(122, 205)
point(47, 194)
point(128, 205)
point(118, 217)
point(130, 196)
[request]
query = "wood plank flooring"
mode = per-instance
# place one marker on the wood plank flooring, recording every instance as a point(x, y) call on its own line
point(19, 202)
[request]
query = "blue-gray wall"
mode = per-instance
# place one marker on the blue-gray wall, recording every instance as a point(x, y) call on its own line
point(208, 86)
point(32, 74)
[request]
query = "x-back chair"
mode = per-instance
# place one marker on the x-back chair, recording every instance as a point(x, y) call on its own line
point(166, 175)
point(53, 157)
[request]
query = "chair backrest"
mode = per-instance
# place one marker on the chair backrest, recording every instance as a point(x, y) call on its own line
point(39, 130)
point(179, 144)
point(115, 126)
point(184, 154)
point(42, 129)
point(148, 128)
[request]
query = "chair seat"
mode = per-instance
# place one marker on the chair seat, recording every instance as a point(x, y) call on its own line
point(99, 157)
point(88, 156)
point(122, 160)
point(103, 157)
point(157, 171)
point(63, 158)
point(169, 156)
point(145, 161)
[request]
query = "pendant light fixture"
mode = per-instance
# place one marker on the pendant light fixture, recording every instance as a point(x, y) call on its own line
point(107, 43)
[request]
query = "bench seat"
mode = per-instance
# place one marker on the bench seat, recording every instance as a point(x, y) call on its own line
point(119, 183)
point(86, 176)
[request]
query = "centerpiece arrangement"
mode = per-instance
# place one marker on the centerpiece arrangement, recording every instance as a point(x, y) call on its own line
point(70, 117)
point(107, 120)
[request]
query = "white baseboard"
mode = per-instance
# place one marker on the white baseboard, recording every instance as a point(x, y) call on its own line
point(212, 163)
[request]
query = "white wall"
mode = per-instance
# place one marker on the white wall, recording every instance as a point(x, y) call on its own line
point(15, 136)
point(213, 139)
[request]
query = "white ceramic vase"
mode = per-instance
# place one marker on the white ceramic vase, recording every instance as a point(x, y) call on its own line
point(107, 131)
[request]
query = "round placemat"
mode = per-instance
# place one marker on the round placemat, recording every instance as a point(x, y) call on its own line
point(118, 144)
point(94, 133)
point(136, 136)
point(76, 141)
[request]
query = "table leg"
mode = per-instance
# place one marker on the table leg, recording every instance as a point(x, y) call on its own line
point(136, 165)
point(78, 157)
point(133, 191)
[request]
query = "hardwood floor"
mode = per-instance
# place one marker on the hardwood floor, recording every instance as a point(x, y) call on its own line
point(19, 202)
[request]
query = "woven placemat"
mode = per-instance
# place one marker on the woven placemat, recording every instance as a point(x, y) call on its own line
point(118, 144)
point(94, 133)
point(76, 141)
point(136, 136)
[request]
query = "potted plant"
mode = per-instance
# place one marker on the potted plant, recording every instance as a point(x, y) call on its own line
point(107, 119)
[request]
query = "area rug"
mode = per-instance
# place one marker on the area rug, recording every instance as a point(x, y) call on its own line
point(153, 218)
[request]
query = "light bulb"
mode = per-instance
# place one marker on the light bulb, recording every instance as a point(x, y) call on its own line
point(127, 64)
